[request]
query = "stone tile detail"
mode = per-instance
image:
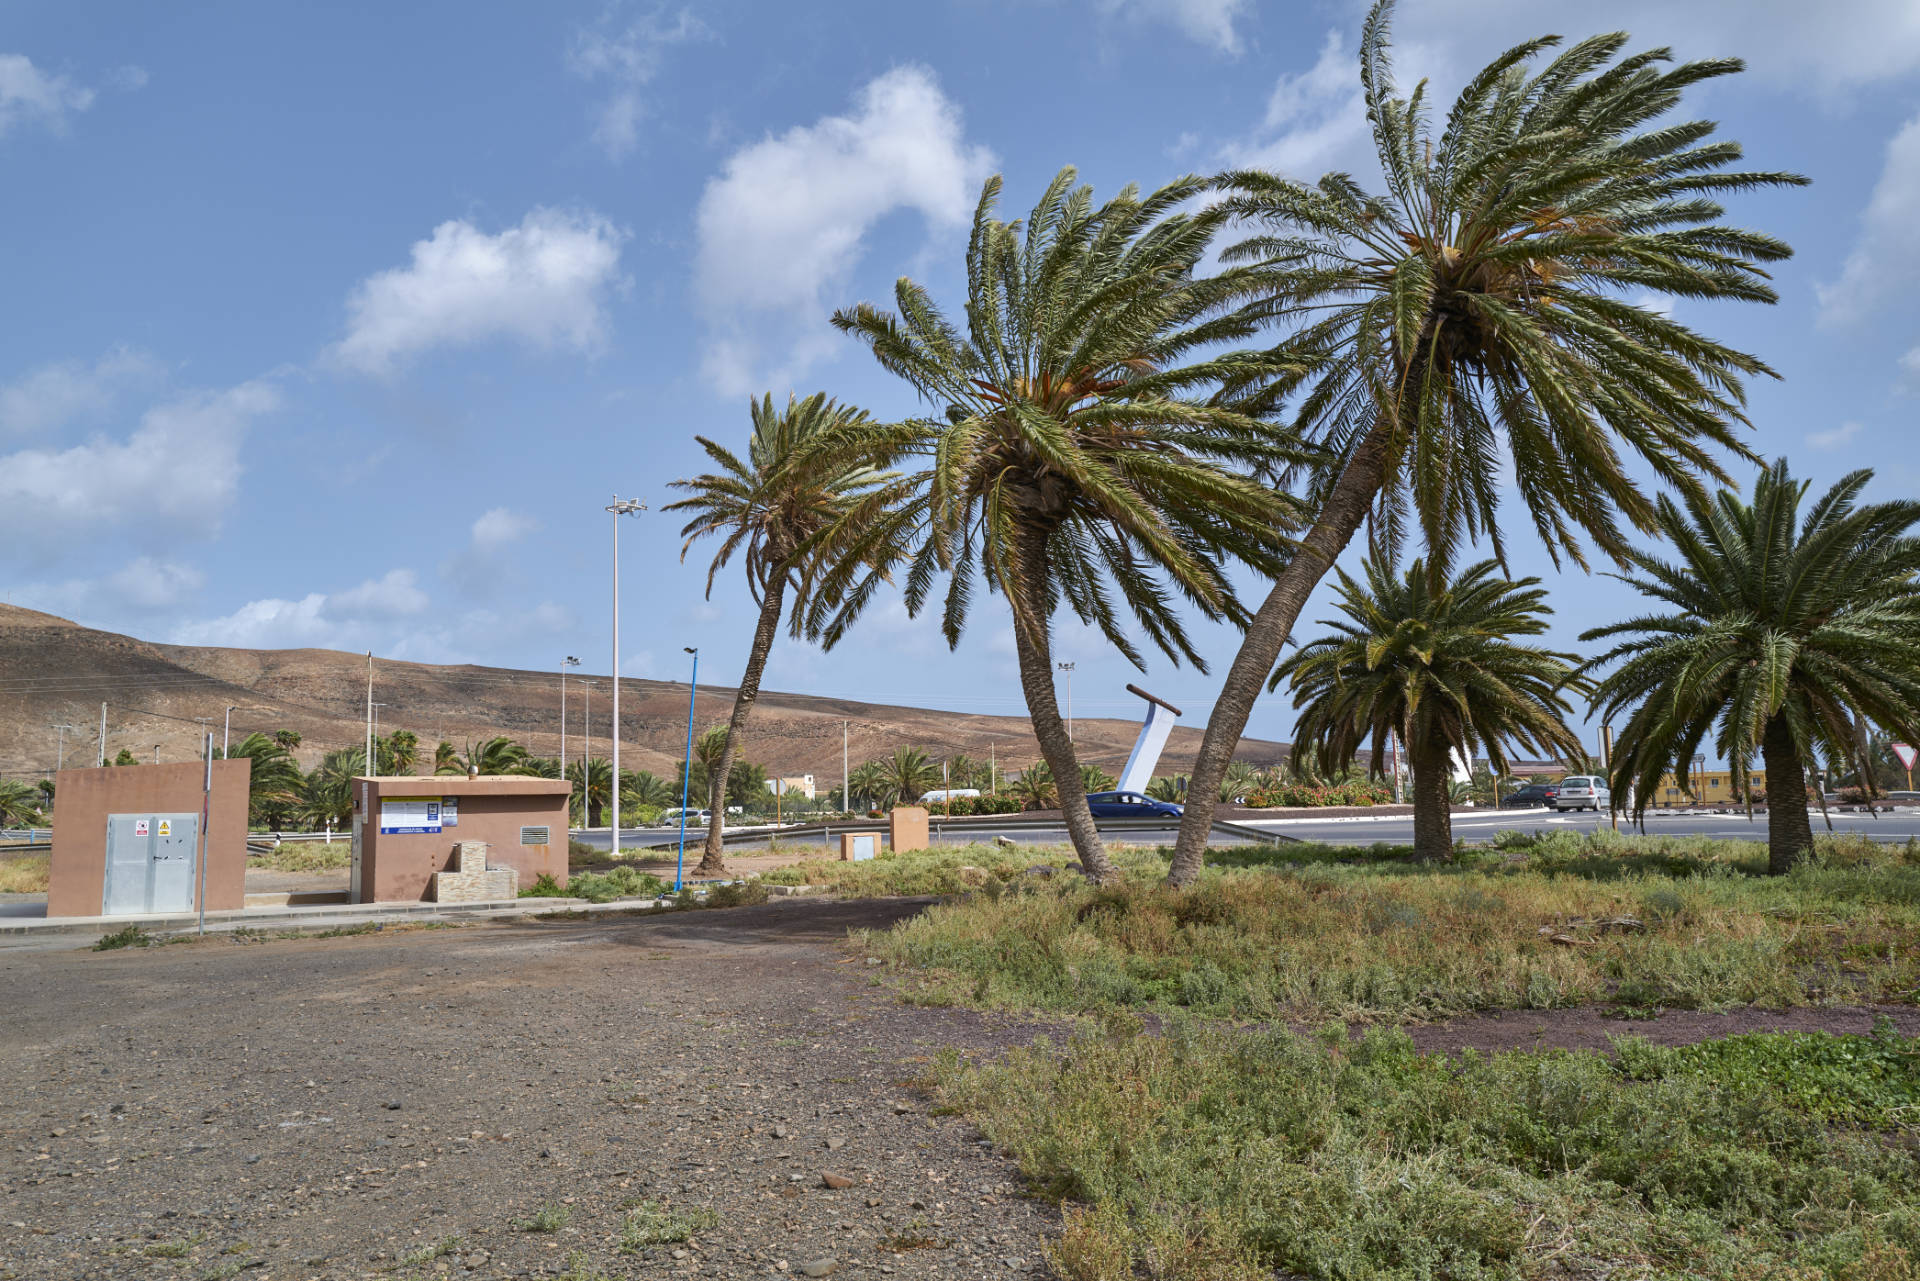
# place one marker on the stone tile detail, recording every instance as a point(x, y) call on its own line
point(475, 882)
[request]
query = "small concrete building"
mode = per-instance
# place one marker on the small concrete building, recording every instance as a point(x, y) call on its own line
point(405, 830)
point(126, 839)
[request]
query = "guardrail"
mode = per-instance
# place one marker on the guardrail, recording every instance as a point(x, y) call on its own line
point(997, 823)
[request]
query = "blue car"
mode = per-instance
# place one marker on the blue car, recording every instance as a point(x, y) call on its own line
point(1130, 805)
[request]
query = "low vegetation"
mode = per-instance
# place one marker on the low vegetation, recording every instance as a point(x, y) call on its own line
point(946, 869)
point(25, 875)
point(303, 856)
point(655, 1223)
point(1311, 933)
point(1209, 1154)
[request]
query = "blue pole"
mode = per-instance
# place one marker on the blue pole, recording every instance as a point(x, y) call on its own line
point(686, 773)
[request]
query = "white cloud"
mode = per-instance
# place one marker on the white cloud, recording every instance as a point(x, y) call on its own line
point(176, 472)
point(54, 395)
point(142, 585)
point(1315, 120)
point(1834, 437)
point(542, 283)
point(28, 93)
point(1885, 261)
point(500, 526)
point(630, 59)
point(1210, 22)
point(395, 594)
point(785, 221)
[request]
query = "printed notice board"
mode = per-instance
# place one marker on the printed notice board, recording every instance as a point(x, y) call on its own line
point(449, 811)
point(409, 815)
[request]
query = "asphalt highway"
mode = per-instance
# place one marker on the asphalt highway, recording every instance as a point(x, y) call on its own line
point(1473, 828)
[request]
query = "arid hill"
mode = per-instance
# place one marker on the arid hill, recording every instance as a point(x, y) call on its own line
point(53, 671)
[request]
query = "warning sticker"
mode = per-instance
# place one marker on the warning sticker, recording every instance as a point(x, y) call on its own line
point(141, 827)
point(166, 828)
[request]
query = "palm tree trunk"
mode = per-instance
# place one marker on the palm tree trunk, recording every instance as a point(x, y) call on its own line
point(1036, 682)
point(711, 861)
point(1346, 506)
point(1432, 802)
point(1789, 828)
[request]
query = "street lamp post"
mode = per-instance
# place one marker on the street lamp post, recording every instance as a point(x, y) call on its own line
point(619, 507)
point(60, 751)
point(226, 732)
point(1068, 669)
point(565, 663)
point(373, 762)
point(686, 770)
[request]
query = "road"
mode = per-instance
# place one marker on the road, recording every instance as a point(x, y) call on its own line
point(1473, 828)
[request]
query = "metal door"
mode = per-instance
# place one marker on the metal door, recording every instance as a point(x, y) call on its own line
point(151, 863)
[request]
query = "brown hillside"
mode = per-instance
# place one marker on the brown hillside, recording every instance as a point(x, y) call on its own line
point(53, 671)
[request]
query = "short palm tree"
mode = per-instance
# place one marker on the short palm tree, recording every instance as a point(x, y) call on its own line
point(496, 755)
point(328, 794)
point(591, 796)
point(399, 752)
point(1780, 630)
point(775, 507)
point(274, 783)
point(19, 804)
point(645, 788)
point(1090, 445)
point(868, 782)
point(1494, 308)
point(1034, 789)
point(1437, 664)
point(446, 759)
point(287, 738)
point(909, 774)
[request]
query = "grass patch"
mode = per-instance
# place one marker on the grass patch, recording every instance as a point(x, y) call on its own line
point(654, 1223)
point(303, 856)
point(1207, 1154)
point(125, 936)
point(169, 1249)
point(946, 869)
point(24, 875)
point(1301, 936)
point(598, 887)
point(548, 1218)
point(428, 1253)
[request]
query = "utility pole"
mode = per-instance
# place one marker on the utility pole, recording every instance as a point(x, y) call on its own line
point(226, 733)
point(993, 768)
point(373, 768)
point(60, 750)
point(1068, 669)
point(619, 507)
point(375, 758)
point(846, 783)
point(686, 771)
point(1606, 765)
point(103, 734)
point(565, 663)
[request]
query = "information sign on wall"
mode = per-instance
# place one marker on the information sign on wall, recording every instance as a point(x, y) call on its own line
point(449, 811)
point(409, 815)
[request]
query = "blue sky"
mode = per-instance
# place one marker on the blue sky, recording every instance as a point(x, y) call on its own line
point(339, 325)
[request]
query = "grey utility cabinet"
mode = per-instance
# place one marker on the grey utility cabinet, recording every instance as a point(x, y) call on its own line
point(150, 863)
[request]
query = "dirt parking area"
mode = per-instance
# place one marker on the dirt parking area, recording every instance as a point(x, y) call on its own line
point(495, 1101)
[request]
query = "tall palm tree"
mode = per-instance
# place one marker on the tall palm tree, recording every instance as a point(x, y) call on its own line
point(909, 774)
point(287, 738)
point(399, 752)
point(775, 507)
point(1090, 443)
point(1435, 662)
point(869, 783)
point(1493, 308)
point(1780, 631)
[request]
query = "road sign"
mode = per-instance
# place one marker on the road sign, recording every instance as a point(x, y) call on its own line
point(1906, 754)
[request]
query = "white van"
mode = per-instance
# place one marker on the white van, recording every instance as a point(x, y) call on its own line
point(695, 818)
point(941, 794)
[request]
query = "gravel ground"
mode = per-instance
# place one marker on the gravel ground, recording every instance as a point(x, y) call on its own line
point(348, 1107)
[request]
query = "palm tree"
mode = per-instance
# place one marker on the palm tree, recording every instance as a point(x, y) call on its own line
point(869, 783)
point(1237, 782)
point(1095, 779)
point(646, 789)
point(1034, 789)
point(1780, 630)
point(1493, 309)
point(274, 782)
point(328, 793)
point(399, 752)
point(1168, 789)
point(1090, 442)
point(1436, 663)
point(125, 757)
point(19, 804)
point(287, 738)
point(446, 759)
point(777, 507)
point(909, 774)
point(595, 794)
point(496, 755)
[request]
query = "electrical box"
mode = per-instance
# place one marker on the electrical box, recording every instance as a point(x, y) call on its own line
point(151, 861)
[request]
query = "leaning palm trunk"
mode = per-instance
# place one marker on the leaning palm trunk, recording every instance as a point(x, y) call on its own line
point(1346, 507)
point(1432, 802)
point(712, 861)
point(1036, 682)
point(1789, 827)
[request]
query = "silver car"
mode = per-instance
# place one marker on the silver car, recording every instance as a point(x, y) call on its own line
point(1581, 792)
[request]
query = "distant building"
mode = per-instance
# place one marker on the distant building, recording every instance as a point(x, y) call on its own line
point(798, 785)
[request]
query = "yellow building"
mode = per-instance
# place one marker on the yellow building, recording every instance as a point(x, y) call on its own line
point(1709, 787)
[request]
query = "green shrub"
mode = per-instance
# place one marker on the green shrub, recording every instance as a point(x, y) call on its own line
point(737, 894)
point(1210, 1154)
point(620, 882)
point(544, 886)
point(125, 936)
point(654, 1223)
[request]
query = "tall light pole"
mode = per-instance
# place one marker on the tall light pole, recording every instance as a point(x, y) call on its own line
point(686, 769)
point(373, 766)
point(565, 663)
point(60, 750)
point(1068, 669)
point(619, 507)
